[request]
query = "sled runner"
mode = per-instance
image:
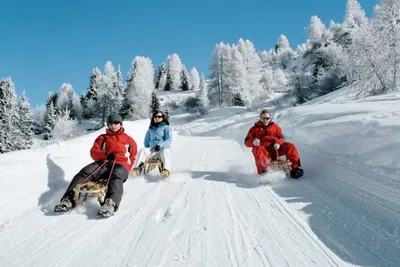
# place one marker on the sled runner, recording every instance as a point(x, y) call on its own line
point(280, 164)
point(153, 162)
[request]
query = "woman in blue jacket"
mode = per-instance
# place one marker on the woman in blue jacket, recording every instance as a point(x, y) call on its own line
point(157, 141)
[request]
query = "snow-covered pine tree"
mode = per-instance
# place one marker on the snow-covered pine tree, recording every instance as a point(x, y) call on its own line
point(372, 72)
point(108, 95)
point(217, 82)
point(140, 85)
point(283, 54)
point(67, 98)
point(386, 23)
point(355, 15)
point(155, 103)
point(168, 82)
point(90, 99)
point(202, 94)
point(161, 77)
point(25, 122)
point(8, 130)
point(174, 68)
point(38, 116)
point(51, 115)
point(120, 87)
point(252, 64)
point(237, 77)
point(325, 60)
point(184, 80)
point(64, 126)
point(194, 79)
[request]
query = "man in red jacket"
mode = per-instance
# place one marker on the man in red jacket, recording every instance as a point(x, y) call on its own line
point(115, 146)
point(266, 139)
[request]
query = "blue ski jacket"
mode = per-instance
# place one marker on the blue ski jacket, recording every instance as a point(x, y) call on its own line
point(161, 135)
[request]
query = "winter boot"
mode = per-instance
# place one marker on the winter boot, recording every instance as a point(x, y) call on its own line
point(137, 171)
point(164, 173)
point(296, 173)
point(64, 206)
point(108, 208)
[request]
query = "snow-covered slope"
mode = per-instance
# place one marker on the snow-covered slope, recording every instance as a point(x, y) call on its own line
point(214, 210)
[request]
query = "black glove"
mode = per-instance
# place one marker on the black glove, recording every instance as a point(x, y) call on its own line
point(157, 148)
point(111, 156)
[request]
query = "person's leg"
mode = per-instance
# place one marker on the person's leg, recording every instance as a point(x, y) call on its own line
point(67, 201)
point(143, 155)
point(81, 176)
point(165, 155)
point(261, 158)
point(115, 190)
point(290, 151)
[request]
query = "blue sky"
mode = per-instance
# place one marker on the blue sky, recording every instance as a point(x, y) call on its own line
point(46, 43)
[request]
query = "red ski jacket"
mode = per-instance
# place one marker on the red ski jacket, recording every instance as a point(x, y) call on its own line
point(119, 143)
point(267, 134)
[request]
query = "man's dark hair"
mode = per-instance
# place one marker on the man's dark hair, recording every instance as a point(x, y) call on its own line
point(265, 111)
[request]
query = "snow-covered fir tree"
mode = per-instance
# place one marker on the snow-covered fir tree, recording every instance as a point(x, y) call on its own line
point(139, 87)
point(184, 80)
point(51, 115)
point(8, 115)
point(155, 103)
point(89, 100)
point(65, 127)
point(202, 94)
point(25, 122)
point(252, 64)
point(194, 79)
point(216, 78)
point(38, 117)
point(236, 77)
point(282, 54)
point(67, 98)
point(174, 69)
point(108, 95)
point(161, 77)
point(120, 87)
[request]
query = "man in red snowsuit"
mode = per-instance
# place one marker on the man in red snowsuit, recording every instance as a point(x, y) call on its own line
point(113, 147)
point(266, 139)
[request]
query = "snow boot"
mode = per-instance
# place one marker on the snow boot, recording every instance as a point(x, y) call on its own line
point(64, 206)
point(137, 171)
point(296, 173)
point(165, 173)
point(108, 209)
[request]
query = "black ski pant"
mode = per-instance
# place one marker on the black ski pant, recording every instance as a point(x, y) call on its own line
point(115, 186)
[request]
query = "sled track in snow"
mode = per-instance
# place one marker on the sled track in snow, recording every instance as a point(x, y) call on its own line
point(345, 194)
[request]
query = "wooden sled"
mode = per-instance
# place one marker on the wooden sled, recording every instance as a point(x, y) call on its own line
point(151, 164)
point(280, 164)
point(90, 189)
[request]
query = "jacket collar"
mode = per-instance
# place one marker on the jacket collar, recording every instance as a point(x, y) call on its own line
point(260, 124)
point(161, 124)
point(121, 131)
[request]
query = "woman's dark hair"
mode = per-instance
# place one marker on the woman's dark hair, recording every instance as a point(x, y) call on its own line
point(165, 118)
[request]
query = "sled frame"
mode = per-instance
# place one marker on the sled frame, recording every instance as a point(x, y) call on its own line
point(280, 164)
point(151, 164)
point(90, 189)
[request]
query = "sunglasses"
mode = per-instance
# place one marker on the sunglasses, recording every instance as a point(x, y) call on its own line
point(265, 118)
point(158, 116)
